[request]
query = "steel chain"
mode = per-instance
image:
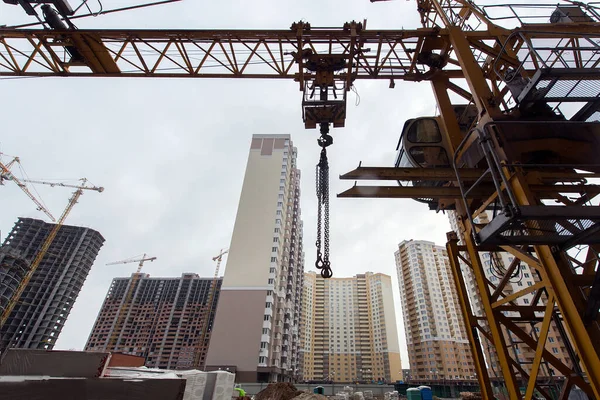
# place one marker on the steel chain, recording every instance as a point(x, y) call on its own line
point(322, 187)
point(319, 262)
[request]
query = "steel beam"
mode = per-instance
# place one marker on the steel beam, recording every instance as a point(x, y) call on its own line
point(469, 319)
point(450, 192)
point(410, 174)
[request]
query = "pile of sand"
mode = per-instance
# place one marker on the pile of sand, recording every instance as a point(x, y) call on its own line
point(278, 391)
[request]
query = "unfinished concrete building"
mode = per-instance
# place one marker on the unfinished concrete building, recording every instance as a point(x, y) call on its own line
point(256, 326)
point(163, 320)
point(41, 311)
point(348, 330)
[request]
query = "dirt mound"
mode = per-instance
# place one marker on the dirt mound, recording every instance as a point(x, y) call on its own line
point(310, 396)
point(278, 391)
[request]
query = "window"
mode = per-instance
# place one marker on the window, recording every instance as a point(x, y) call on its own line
point(275, 239)
point(263, 345)
point(262, 360)
point(268, 304)
point(273, 259)
point(282, 181)
point(271, 281)
point(424, 130)
point(265, 331)
point(274, 249)
point(555, 350)
point(551, 339)
point(266, 317)
point(529, 283)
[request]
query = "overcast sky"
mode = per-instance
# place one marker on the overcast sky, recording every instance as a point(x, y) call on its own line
point(171, 153)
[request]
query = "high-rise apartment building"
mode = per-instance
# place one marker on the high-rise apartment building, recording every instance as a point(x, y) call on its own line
point(162, 319)
point(256, 325)
point(438, 347)
point(42, 309)
point(494, 264)
point(348, 329)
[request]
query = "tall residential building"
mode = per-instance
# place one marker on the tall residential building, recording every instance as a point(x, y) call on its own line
point(494, 264)
point(438, 346)
point(161, 319)
point(348, 329)
point(43, 307)
point(256, 325)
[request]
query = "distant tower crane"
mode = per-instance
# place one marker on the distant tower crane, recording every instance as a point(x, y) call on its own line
point(134, 259)
point(6, 174)
point(202, 343)
point(122, 313)
point(45, 246)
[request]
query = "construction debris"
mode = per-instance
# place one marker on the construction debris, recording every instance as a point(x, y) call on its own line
point(278, 391)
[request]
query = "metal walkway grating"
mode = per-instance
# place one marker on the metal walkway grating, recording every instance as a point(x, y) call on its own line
point(560, 85)
point(548, 225)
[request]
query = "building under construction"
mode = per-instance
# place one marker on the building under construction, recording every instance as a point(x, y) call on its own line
point(164, 320)
point(42, 309)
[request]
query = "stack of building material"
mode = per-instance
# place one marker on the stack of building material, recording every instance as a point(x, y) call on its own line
point(50, 375)
point(222, 387)
point(391, 395)
point(214, 385)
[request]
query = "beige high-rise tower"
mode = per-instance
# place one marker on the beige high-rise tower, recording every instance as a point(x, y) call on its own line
point(255, 331)
point(438, 348)
point(348, 330)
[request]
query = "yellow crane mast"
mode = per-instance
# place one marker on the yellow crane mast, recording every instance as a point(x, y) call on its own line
point(202, 345)
point(45, 246)
point(6, 174)
point(121, 316)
